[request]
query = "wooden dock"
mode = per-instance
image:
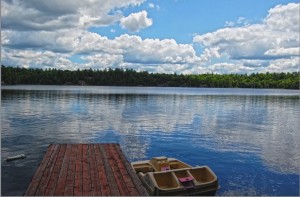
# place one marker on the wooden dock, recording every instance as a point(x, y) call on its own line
point(85, 170)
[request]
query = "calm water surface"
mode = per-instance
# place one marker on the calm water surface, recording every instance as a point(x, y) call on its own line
point(248, 137)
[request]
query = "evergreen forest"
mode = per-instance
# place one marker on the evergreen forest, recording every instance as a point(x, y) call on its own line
point(120, 77)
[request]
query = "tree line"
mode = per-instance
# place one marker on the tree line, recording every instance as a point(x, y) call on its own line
point(129, 77)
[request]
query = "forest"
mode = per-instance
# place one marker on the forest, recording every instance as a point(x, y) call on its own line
point(128, 77)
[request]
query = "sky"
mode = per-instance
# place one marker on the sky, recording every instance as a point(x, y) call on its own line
point(158, 36)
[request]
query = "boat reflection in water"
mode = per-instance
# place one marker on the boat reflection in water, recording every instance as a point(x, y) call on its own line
point(169, 176)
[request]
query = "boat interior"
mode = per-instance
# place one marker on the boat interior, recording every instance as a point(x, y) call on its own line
point(183, 178)
point(159, 164)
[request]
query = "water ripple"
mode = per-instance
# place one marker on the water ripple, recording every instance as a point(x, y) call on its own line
point(248, 137)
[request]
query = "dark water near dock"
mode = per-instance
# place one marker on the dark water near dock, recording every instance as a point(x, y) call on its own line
point(248, 137)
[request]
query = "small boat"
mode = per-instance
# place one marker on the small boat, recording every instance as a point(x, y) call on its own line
point(168, 176)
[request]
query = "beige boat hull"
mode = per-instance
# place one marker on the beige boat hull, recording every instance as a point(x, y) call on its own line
point(169, 176)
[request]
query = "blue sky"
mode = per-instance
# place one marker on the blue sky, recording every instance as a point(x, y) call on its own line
point(164, 36)
point(182, 19)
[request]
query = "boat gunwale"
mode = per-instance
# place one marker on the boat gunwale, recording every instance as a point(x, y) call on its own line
point(170, 160)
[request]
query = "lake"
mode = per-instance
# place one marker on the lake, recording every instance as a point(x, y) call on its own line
point(248, 137)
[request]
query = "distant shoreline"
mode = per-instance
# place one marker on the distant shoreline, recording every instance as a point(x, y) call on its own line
point(132, 78)
point(123, 86)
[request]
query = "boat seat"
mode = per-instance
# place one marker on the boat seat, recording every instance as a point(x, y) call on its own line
point(165, 168)
point(187, 182)
point(160, 164)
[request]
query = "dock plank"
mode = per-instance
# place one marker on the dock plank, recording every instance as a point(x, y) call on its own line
point(96, 191)
point(62, 179)
point(134, 179)
point(104, 187)
point(69, 188)
point(85, 170)
point(39, 173)
point(78, 172)
point(86, 174)
point(116, 172)
point(124, 174)
point(41, 189)
point(56, 171)
point(113, 187)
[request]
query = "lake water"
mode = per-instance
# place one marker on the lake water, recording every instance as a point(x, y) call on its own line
point(248, 137)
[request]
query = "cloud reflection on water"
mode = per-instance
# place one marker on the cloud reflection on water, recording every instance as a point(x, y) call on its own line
point(266, 126)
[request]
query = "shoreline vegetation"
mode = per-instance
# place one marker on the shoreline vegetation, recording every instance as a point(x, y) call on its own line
point(129, 77)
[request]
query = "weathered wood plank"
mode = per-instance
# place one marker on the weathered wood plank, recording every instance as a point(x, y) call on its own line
point(138, 184)
point(96, 190)
point(85, 170)
point(124, 174)
point(109, 173)
point(116, 172)
point(62, 179)
point(47, 172)
point(78, 172)
point(104, 187)
point(86, 174)
point(68, 190)
point(56, 171)
point(39, 172)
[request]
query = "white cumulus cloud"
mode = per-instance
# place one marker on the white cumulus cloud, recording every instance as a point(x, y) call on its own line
point(136, 21)
point(35, 34)
point(293, 51)
point(56, 14)
point(277, 37)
